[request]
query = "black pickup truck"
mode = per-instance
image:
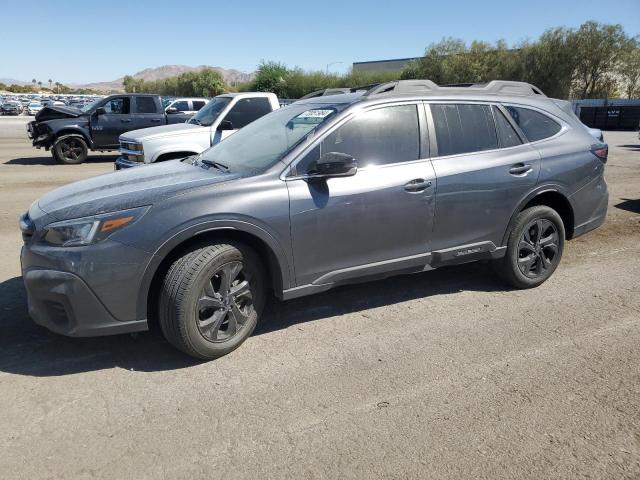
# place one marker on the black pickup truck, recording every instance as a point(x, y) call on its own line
point(70, 133)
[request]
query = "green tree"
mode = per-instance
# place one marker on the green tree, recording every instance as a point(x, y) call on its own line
point(271, 77)
point(549, 63)
point(598, 50)
point(629, 69)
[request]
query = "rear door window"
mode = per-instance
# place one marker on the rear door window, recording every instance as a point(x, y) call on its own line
point(463, 128)
point(198, 104)
point(145, 105)
point(507, 136)
point(535, 125)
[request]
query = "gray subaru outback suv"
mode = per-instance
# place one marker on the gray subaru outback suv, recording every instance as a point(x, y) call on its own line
point(403, 178)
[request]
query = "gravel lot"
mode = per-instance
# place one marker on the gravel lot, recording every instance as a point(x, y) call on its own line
point(446, 374)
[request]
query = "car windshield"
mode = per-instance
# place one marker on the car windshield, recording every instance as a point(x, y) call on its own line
point(208, 114)
point(267, 140)
point(91, 105)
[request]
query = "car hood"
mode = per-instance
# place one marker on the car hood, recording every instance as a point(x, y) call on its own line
point(163, 131)
point(130, 188)
point(53, 112)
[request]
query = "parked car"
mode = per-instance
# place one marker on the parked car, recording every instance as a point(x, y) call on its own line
point(33, 108)
point(221, 117)
point(11, 108)
point(70, 133)
point(404, 178)
point(189, 106)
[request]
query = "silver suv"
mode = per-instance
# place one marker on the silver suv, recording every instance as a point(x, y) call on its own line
point(403, 178)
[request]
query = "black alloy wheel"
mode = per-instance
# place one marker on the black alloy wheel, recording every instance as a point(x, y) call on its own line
point(225, 304)
point(538, 248)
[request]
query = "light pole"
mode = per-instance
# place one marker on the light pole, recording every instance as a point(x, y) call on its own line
point(332, 63)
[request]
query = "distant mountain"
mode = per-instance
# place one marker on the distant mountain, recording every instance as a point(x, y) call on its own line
point(13, 81)
point(230, 76)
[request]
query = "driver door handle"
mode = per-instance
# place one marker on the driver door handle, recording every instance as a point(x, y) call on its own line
point(417, 185)
point(125, 120)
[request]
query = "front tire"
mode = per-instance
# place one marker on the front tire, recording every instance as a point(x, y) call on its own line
point(534, 248)
point(70, 149)
point(211, 299)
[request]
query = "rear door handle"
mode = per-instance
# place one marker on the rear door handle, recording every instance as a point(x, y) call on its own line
point(520, 169)
point(417, 185)
point(156, 120)
point(125, 120)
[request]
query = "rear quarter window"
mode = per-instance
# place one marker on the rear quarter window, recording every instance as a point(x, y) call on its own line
point(535, 125)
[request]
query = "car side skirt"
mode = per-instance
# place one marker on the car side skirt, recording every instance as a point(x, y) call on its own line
point(399, 266)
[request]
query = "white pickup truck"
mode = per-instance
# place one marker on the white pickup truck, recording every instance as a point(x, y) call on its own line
point(221, 117)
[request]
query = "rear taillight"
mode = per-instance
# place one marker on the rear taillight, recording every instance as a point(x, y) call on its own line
point(601, 151)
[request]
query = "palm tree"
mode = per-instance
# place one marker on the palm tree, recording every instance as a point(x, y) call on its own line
point(34, 83)
point(50, 83)
point(40, 84)
point(58, 85)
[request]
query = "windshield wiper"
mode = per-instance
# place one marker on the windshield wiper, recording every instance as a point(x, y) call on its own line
point(196, 121)
point(218, 165)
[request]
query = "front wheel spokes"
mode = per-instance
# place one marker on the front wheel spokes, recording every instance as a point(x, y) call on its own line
point(210, 326)
point(228, 274)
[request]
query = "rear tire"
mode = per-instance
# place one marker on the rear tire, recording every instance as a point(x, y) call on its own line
point(211, 299)
point(534, 248)
point(70, 149)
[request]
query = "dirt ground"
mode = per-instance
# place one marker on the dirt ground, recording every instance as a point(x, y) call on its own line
point(446, 374)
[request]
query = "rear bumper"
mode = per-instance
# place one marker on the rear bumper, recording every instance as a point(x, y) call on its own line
point(599, 203)
point(63, 303)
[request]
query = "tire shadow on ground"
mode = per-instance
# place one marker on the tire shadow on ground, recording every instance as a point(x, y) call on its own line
point(629, 205)
point(28, 349)
point(49, 160)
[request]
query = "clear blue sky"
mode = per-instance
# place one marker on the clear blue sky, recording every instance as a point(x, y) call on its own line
point(84, 41)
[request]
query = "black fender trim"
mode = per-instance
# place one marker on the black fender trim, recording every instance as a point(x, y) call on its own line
point(539, 190)
point(73, 131)
point(286, 272)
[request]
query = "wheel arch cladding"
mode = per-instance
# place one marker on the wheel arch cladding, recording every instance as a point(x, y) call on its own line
point(72, 131)
point(552, 199)
point(222, 235)
point(558, 202)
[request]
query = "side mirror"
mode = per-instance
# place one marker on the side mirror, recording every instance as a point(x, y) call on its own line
point(100, 111)
point(173, 110)
point(336, 164)
point(225, 125)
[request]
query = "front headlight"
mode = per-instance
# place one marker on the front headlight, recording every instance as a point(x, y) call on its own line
point(88, 230)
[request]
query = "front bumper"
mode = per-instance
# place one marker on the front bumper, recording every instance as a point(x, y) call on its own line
point(122, 163)
point(84, 291)
point(63, 303)
point(40, 135)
